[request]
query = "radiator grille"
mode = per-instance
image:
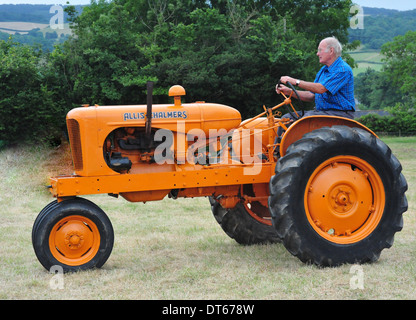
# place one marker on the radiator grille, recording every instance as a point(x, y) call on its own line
point(75, 141)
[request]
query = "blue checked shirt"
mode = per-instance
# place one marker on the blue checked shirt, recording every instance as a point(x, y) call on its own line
point(339, 81)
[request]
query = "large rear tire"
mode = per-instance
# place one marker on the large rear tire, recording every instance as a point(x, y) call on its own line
point(74, 234)
point(249, 222)
point(338, 197)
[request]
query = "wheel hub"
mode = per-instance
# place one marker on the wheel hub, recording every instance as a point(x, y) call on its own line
point(343, 201)
point(74, 240)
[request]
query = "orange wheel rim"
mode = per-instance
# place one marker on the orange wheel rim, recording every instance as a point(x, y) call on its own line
point(256, 204)
point(74, 240)
point(254, 209)
point(344, 199)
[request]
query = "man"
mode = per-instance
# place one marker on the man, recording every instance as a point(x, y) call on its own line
point(333, 88)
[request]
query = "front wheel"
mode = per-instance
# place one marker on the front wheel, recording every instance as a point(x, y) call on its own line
point(338, 197)
point(74, 234)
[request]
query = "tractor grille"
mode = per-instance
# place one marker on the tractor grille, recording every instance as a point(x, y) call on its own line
point(75, 141)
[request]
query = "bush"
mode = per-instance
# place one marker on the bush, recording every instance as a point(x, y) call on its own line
point(27, 108)
point(402, 120)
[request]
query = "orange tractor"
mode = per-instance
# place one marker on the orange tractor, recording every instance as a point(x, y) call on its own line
point(327, 188)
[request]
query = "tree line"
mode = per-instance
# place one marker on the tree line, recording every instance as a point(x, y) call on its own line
point(396, 82)
point(383, 25)
point(392, 88)
point(224, 51)
point(37, 38)
point(34, 13)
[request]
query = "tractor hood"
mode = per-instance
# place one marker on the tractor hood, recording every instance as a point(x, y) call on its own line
point(90, 126)
point(204, 116)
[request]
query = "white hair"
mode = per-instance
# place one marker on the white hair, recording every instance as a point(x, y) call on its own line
point(332, 42)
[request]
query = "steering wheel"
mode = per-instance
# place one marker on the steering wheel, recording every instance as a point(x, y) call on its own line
point(290, 108)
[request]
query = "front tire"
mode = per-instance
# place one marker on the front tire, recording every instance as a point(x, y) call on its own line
point(74, 234)
point(338, 197)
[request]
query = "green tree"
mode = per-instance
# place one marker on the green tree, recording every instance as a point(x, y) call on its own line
point(27, 109)
point(104, 60)
point(401, 121)
point(400, 57)
point(230, 52)
point(374, 90)
point(225, 51)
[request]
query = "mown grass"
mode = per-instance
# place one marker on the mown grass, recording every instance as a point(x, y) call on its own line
point(366, 58)
point(174, 249)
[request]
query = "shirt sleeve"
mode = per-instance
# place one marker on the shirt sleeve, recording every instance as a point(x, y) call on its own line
point(335, 81)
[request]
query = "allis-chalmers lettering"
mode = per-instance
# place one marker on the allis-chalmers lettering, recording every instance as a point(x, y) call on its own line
point(156, 115)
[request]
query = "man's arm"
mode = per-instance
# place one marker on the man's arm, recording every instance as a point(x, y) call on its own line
point(309, 86)
point(307, 96)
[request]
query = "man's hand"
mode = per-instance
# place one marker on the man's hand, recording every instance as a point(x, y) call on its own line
point(309, 87)
point(287, 79)
point(283, 88)
point(287, 91)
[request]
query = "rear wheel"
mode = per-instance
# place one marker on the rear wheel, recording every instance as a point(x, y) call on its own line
point(338, 197)
point(249, 222)
point(75, 234)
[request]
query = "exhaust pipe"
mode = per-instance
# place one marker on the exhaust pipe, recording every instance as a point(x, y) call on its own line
point(149, 111)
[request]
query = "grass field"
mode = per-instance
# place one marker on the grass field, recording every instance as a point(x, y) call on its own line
point(366, 58)
point(174, 249)
point(21, 27)
point(25, 27)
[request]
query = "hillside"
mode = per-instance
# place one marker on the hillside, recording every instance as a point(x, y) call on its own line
point(366, 58)
point(25, 13)
point(382, 25)
point(30, 24)
point(35, 13)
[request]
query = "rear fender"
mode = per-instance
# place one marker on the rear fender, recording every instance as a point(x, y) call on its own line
point(298, 129)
